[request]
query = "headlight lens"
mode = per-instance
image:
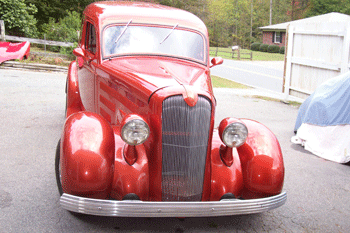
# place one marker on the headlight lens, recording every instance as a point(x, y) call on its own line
point(235, 134)
point(135, 132)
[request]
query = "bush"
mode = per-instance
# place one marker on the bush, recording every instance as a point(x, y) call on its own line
point(65, 30)
point(263, 47)
point(273, 49)
point(255, 46)
point(282, 50)
point(69, 50)
point(18, 18)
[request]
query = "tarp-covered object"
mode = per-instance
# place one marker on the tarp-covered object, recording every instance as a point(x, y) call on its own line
point(323, 122)
point(12, 51)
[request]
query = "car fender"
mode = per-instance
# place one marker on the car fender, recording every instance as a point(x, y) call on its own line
point(74, 103)
point(87, 155)
point(261, 161)
point(224, 179)
point(130, 178)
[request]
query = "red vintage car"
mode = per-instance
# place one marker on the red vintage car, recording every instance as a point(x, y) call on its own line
point(139, 137)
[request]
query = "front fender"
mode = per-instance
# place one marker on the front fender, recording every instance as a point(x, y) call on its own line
point(224, 179)
point(130, 179)
point(87, 155)
point(261, 161)
point(74, 103)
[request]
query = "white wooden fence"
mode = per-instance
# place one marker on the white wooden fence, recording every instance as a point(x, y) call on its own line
point(4, 37)
point(315, 52)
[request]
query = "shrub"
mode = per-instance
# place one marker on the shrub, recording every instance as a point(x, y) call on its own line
point(273, 49)
point(282, 50)
point(255, 46)
point(263, 47)
point(65, 30)
point(69, 50)
point(18, 17)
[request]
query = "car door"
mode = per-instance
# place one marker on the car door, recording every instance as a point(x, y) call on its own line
point(87, 71)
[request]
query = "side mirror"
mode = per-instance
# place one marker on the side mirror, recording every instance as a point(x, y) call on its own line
point(78, 52)
point(216, 61)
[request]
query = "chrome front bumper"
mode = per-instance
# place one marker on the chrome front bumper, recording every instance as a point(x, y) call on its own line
point(170, 209)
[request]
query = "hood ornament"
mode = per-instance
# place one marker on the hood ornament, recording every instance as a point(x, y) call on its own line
point(190, 96)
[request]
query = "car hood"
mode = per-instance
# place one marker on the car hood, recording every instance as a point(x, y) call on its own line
point(150, 74)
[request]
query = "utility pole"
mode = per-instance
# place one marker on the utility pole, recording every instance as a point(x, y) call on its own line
point(2, 31)
point(251, 20)
point(270, 12)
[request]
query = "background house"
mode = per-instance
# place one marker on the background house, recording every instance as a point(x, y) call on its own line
point(276, 34)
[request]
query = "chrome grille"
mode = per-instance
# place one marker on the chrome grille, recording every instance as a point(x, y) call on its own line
point(185, 133)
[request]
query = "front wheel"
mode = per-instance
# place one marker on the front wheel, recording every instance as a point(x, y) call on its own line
point(58, 168)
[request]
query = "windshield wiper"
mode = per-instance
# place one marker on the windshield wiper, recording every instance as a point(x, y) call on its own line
point(169, 33)
point(121, 34)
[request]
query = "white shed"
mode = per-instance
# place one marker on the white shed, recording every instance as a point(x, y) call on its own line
point(317, 49)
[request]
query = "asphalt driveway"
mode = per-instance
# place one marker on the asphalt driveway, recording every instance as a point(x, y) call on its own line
point(261, 74)
point(32, 116)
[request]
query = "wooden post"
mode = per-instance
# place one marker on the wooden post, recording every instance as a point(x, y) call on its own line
point(251, 55)
point(288, 67)
point(239, 54)
point(45, 44)
point(2, 30)
point(216, 53)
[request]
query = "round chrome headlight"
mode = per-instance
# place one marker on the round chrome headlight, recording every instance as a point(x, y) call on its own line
point(135, 132)
point(235, 134)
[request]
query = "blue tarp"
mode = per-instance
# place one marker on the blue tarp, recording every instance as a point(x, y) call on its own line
point(328, 105)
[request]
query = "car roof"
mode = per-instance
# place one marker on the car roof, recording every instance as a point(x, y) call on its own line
point(108, 12)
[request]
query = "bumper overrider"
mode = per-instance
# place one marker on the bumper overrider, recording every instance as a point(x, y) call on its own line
point(135, 208)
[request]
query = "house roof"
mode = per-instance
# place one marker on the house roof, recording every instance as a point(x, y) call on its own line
point(330, 17)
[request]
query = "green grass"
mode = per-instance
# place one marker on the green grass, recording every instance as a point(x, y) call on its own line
point(261, 56)
point(34, 48)
point(257, 56)
point(225, 83)
point(61, 60)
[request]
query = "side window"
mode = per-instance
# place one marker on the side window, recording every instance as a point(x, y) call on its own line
point(277, 37)
point(90, 42)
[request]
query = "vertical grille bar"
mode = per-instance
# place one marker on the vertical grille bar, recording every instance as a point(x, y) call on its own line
point(184, 145)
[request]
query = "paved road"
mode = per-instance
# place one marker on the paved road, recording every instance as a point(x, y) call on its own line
point(32, 116)
point(266, 75)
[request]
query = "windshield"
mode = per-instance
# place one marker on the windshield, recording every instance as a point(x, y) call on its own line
point(127, 40)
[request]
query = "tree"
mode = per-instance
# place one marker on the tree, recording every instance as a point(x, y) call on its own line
point(18, 17)
point(281, 11)
point(260, 17)
point(64, 30)
point(197, 7)
point(298, 9)
point(57, 9)
point(241, 23)
point(319, 7)
point(219, 22)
